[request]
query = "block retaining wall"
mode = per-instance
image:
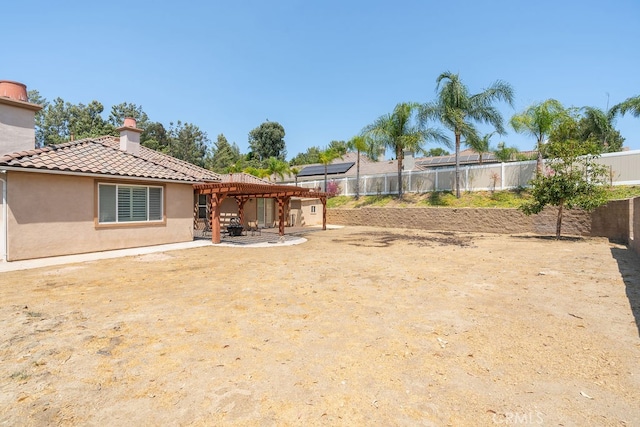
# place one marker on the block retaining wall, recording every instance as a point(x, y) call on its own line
point(611, 220)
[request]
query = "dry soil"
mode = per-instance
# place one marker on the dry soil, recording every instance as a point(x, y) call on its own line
point(357, 326)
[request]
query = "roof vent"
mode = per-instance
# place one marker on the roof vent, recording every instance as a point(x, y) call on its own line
point(13, 90)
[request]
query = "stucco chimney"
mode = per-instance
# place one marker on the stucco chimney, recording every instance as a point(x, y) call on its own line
point(17, 118)
point(409, 162)
point(130, 136)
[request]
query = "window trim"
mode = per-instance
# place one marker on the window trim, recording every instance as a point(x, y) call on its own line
point(121, 224)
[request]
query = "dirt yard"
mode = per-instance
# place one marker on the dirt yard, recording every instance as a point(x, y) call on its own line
point(357, 326)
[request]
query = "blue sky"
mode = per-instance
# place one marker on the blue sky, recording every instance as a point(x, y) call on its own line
point(323, 69)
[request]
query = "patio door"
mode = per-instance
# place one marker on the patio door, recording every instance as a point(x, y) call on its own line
point(265, 212)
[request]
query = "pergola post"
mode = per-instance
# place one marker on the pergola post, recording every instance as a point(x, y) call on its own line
point(281, 210)
point(240, 201)
point(195, 212)
point(323, 199)
point(216, 202)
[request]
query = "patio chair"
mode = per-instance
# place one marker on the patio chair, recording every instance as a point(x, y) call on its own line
point(254, 228)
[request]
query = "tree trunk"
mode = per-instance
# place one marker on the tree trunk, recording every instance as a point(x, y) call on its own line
point(325, 178)
point(358, 176)
point(559, 222)
point(539, 159)
point(457, 165)
point(400, 157)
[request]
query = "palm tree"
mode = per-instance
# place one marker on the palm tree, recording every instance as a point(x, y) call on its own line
point(504, 153)
point(326, 156)
point(359, 143)
point(295, 171)
point(631, 105)
point(277, 167)
point(456, 108)
point(480, 145)
point(599, 125)
point(538, 121)
point(398, 132)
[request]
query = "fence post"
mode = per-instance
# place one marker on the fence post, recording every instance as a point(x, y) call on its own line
point(502, 176)
point(436, 185)
point(466, 178)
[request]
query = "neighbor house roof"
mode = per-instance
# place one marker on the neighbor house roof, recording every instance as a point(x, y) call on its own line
point(346, 166)
point(331, 169)
point(102, 156)
point(466, 157)
point(244, 177)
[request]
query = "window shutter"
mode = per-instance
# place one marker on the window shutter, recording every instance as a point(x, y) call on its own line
point(138, 203)
point(106, 203)
point(124, 204)
point(155, 204)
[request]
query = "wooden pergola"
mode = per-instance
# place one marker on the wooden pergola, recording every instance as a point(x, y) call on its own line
point(242, 192)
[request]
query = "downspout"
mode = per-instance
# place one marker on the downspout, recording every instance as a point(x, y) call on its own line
point(5, 210)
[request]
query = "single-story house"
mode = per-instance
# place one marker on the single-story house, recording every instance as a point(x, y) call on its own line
point(107, 193)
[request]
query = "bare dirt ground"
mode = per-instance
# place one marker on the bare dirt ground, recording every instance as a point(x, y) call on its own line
point(357, 326)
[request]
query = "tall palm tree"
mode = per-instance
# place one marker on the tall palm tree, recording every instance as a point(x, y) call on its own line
point(326, 156)
point(456, 109)
point(399, 131)
point(631, 105)
point(538, 121)
point(359, 143)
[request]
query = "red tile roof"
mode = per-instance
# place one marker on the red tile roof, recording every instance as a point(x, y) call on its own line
point(103, 156)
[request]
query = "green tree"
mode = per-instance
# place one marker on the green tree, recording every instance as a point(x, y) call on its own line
point(505, 153)
point(121, 111)
point(326, 157)
point(48, 126)
point(267, 140)
point(629, 105)
point(295, 171)
point(224, 155)
point(457, 109)
point(599, 126)
point(339, 147)
point(187, 142)
point(361, 144)
point(480, 145)
point(399, 131)
point(538, 121)
point(86, 121)
point(436, 152)
point(155, 137)
point(311, 156)
point(276, 168)
point(573, 177)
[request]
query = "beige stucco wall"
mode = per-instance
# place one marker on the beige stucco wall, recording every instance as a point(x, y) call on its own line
point(306, 216)
point(52, 215)
point(17, 131)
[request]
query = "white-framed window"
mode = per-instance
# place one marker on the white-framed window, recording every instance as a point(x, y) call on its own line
point(119, 203)
point(313, 209)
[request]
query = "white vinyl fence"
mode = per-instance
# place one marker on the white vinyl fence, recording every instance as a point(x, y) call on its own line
point(624, 169)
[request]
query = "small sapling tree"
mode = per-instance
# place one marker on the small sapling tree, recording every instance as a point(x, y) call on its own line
point(572, 178)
